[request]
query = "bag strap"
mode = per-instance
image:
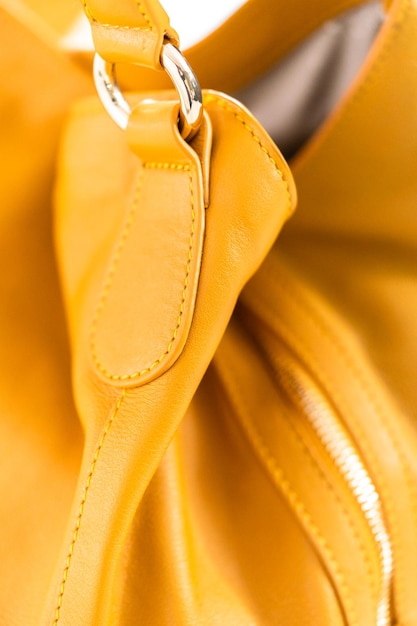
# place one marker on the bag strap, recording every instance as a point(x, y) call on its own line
point(246, 45)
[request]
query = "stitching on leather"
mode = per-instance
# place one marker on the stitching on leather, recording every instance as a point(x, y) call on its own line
point(138, 374)
point(394, 33)
point(396, 29)
point(116, 257)
point(258, 140)
point(285, 486)
point(108, 26)
point(379, 410)
point(306, 452)
point(346, 107)
point(82, 506)
point(349, 519)
point(144, 14)
point(328, 384)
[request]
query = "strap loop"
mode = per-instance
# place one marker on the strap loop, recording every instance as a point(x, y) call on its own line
point(130, 31)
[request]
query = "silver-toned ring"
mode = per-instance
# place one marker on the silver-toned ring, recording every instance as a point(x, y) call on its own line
point(181, 74)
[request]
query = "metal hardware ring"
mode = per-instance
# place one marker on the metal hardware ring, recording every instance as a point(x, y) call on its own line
point(182, 76)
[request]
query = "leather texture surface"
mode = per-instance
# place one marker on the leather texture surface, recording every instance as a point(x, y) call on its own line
point(206, 496)
point(158, 255)
point(129, 32)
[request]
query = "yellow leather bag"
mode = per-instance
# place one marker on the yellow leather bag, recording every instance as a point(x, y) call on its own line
point(169, 457)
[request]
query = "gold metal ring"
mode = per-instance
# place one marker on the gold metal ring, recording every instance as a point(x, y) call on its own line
point(181, 74)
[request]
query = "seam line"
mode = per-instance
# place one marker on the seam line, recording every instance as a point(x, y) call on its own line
point(112, 271)
point(258, 140)
point(325, 480)
point(329, 385)
point(374, 402)
point(108, 26)
point(144, 14)
point(280, 479)
point(81, 508)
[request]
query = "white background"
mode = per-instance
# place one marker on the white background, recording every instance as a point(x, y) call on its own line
point(194, 19)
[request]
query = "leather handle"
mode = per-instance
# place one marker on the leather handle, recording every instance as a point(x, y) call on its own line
point(130, 31)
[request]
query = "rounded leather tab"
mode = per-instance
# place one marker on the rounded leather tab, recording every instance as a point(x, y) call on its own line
point(130, 31)
point(146, 306)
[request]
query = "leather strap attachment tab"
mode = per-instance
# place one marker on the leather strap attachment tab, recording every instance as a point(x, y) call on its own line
point(130, 31)
point(146, 306)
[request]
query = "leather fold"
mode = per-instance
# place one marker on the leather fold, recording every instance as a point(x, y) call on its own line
point(127, 429)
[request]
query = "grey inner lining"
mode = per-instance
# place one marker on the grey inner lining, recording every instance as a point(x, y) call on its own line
point(294, 98)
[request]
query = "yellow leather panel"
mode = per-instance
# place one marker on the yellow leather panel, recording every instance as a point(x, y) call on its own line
point(238, 516)
point(353, 241)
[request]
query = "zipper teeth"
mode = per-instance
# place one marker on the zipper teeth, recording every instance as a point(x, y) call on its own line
point(347, 460)
point(344, 455)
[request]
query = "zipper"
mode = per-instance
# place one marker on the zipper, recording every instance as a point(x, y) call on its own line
point(333, 437)
point(348, 462)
